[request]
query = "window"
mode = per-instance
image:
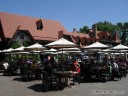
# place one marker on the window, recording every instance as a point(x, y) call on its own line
point(39, 25)
point(21, 36)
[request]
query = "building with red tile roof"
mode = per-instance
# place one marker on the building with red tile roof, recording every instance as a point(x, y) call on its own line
point(92, 36)
point(24, 28)
point(10, 24)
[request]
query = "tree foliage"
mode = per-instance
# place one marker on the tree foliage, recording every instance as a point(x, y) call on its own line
point(122, 29)
point(106, 26)
point(85, 29)
point(15, 44)
point(26, 43)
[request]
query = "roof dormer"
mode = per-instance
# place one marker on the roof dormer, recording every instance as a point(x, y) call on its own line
point(39, 25)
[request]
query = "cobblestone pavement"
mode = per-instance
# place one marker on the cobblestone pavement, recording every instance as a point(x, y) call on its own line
point(12, 86)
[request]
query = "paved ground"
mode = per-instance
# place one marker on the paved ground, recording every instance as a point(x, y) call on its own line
point(12, 86)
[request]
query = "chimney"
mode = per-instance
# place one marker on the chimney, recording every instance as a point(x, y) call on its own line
point(60, 34)
point(74, 30)
point(94, 29)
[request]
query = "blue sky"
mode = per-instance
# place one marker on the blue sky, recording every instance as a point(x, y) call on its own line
point(71, 13)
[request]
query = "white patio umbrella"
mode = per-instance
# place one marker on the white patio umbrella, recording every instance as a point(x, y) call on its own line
point(120, 47)
point(117, 53)
point(113, 51)
point(19, 49)
point(21, 52)
point(109, 51)
point(70, 49)
point(36, 46)
point(60, 52)
point(77, 51)
point(51, 51)
point(61, 43)
point(97, 45)
point(35, 49)
point(7, 50)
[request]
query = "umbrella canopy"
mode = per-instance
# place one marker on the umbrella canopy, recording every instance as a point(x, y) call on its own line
point(19, 49)
point(61, 52)
point(77, 51)
point(70, 49)
point(7, 50)
point(61, 43)
point(51, 50)
point(21, 52)
point(96, 45)
point(35, 46)
point(120, 47)
point(109, 50)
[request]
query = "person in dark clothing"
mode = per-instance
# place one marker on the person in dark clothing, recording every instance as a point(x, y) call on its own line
point(48, 69)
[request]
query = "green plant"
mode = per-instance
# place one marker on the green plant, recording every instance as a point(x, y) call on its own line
point(15, 44)
point(26, 43)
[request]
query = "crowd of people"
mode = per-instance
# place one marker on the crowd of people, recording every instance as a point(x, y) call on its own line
point(113, 67)
point(88, 67)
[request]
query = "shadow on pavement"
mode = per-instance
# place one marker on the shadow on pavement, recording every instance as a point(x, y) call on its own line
point(36, 87)
point(18, 79)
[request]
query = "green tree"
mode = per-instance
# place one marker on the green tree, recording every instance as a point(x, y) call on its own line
point(125, 26)
point(106, 26)
point(124, 33)
point(85, 29)
point(122, 29)
point(119, 28)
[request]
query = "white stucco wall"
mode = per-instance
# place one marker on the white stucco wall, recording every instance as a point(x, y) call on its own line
point(17, 37)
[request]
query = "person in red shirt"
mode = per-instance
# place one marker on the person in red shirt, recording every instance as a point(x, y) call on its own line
point(77, 66)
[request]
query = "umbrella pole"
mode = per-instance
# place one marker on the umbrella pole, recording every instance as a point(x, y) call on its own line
point(126, 55)
point(62, 59)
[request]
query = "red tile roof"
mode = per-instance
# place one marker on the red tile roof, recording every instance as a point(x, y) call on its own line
point(10, 23)
point(102, 35)
point(74, 34)
point(82, 39)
